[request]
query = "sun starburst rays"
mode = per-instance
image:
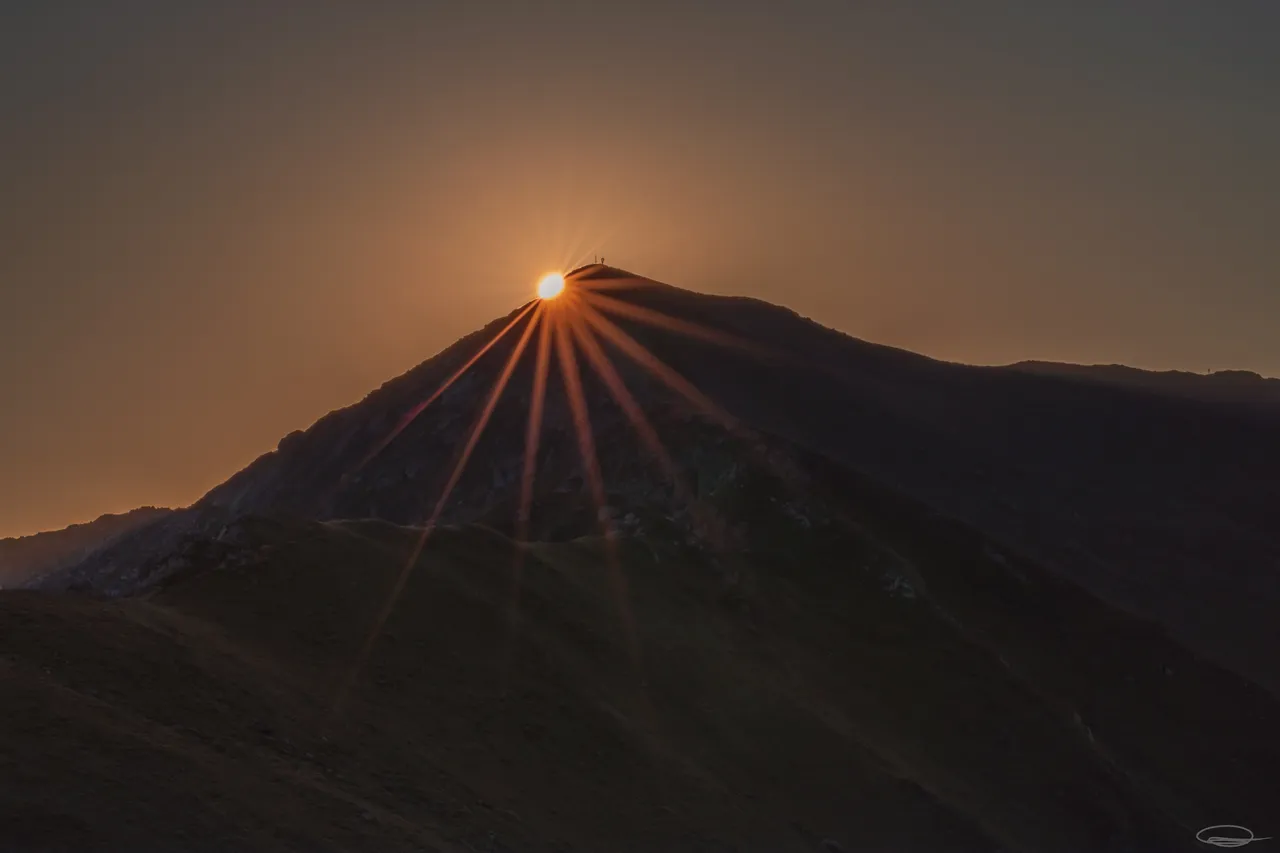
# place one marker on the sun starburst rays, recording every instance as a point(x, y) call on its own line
point(532, 440)
point(571, 325)
point(533, 431)
point(477, 430)
point(572, 377)
point(617, 306)
point(642, 356)
point(708, 523)
point(417, 410)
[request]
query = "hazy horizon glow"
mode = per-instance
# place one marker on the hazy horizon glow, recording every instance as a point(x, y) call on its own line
point(224, 220)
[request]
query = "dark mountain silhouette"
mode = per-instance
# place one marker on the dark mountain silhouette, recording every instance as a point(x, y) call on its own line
point(1157, 505)
point(26, 558)
point(1238, 387)
point(913, 606)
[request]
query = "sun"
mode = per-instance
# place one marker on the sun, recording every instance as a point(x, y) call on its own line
point(551, 286)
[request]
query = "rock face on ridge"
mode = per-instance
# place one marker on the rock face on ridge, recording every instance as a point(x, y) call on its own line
point(25, 559)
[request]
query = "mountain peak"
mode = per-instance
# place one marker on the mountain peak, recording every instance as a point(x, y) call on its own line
point(704, 370)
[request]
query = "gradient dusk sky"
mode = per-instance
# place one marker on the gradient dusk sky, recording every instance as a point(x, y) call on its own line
point(223, 219)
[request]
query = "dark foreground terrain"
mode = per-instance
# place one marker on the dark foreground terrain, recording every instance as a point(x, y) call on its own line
point(945, 696)
point(904, 606)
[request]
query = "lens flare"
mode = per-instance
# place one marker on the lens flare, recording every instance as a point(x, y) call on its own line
point(551, 286)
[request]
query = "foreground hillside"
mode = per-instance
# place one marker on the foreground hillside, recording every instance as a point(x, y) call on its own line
point(855, 672)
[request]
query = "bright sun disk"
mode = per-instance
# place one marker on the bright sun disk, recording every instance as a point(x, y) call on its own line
point(551, 286)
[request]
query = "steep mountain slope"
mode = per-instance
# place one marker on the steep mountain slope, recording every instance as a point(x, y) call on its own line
point(25, 558)
point(1166, 507)
point(854, 671)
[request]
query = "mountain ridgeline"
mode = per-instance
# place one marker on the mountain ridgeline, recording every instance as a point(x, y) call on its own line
point(1232, 387)
point(887, 603)
point(24, 559)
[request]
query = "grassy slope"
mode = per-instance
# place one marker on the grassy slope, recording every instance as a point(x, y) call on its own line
point(799, 701)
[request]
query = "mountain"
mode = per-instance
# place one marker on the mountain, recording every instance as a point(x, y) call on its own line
point(1238, 387)
point(894, 604)
point(1161, 506)
point(26, 558)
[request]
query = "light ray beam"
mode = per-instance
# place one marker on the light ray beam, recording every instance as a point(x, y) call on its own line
point(417, 410)
point(532, 439)
point(599, 360)
point(454, 477)
point(687, 328)
point(650, 362)
point(591, 463)
point(673, 380)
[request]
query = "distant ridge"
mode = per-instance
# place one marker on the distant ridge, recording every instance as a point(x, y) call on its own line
point(1241, 387)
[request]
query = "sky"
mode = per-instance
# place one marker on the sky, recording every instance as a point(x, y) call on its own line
point(222, 220)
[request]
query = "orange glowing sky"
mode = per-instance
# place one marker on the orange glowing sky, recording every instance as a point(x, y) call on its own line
point(223, 220)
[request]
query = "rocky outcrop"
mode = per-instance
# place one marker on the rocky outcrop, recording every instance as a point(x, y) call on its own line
point(26, 559)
